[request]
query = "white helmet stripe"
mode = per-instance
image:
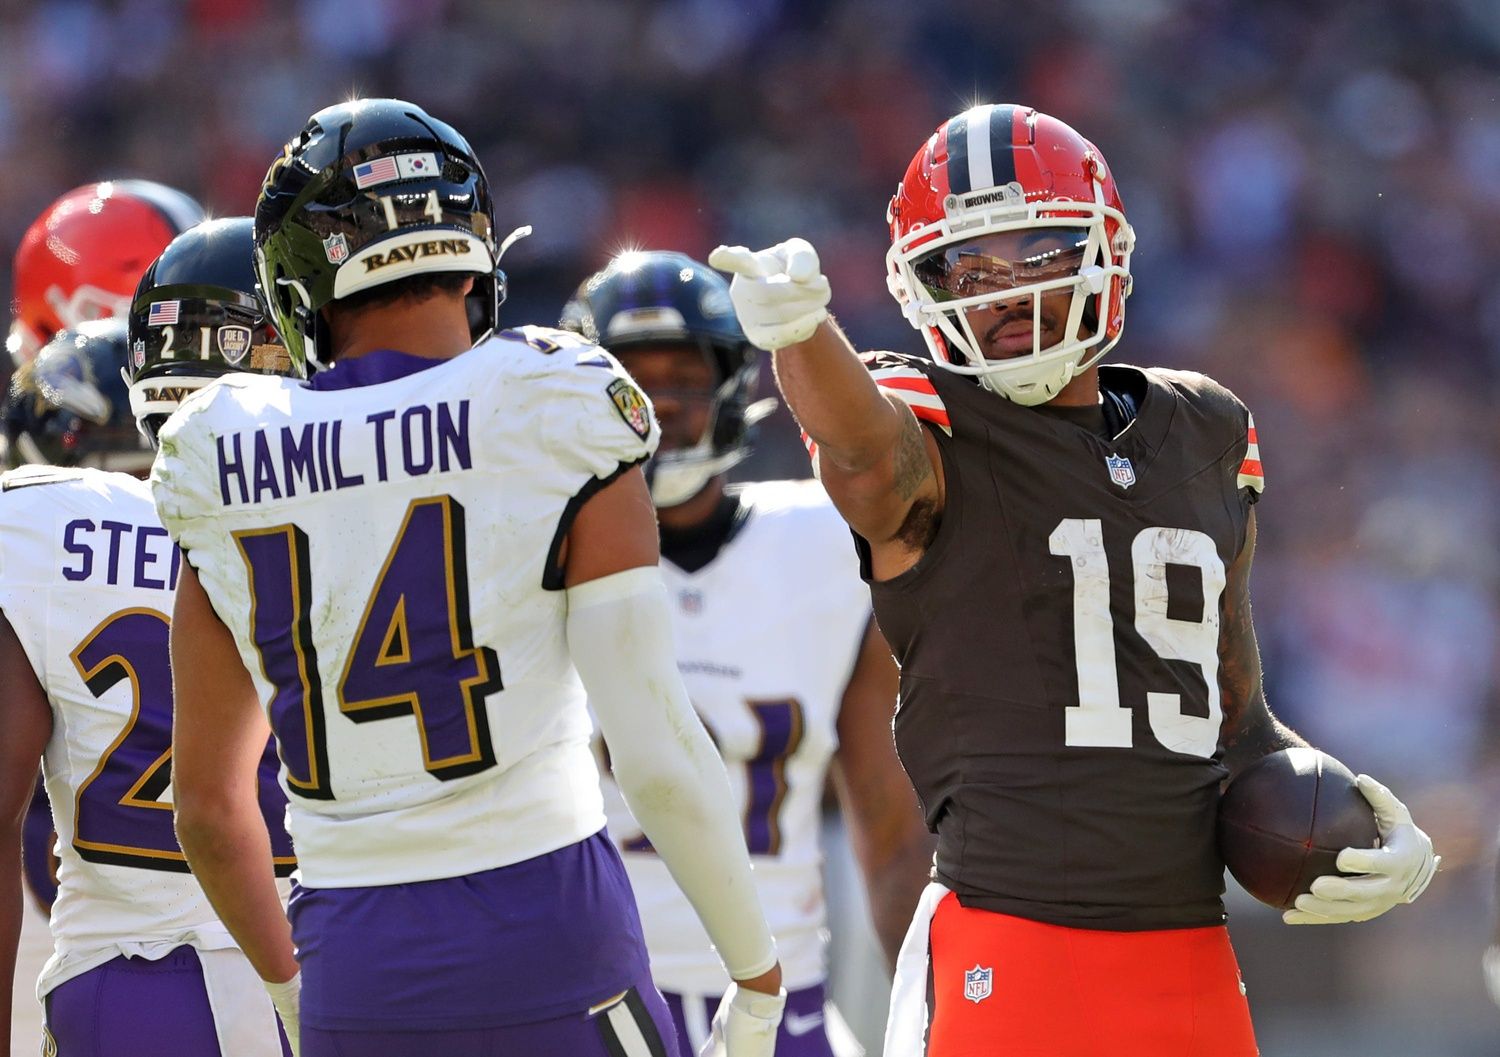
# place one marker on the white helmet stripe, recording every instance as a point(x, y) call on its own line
point(981, 165)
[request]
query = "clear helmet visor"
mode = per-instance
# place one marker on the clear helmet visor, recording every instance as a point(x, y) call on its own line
point(1001, 263)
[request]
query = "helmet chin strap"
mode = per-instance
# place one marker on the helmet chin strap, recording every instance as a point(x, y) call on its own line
point(679, 476)
point(1031, 395)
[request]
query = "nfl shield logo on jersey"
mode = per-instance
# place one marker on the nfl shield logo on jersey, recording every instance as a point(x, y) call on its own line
point(1120, 470)
point(234, 342)
point(977, 983)
point(336, 248)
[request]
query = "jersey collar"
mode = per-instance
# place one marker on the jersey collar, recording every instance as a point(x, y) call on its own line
point(381, 365)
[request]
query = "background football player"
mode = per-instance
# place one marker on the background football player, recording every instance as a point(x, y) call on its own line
point(140, 963)
point(1060, 556)
point(82, 256)
point(405, 562)
point(79, 260)
point(776, 645)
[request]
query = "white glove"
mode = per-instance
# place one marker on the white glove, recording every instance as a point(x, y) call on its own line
point(287, 998)
point(1396, 872)
point(779, 294)
point(1491, 964)
point(745, 1025)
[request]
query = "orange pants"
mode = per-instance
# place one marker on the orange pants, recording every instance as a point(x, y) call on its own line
point(1005, 986)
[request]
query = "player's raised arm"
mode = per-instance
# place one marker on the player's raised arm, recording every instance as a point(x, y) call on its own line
point(620, 639)
point(25, 726)
point(873, 457)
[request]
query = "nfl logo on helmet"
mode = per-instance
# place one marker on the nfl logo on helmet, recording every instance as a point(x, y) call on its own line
point(977, 983)
point(1120, 470)
point(336, 248)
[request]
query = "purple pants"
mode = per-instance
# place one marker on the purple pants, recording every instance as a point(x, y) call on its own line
point(802, 1032)
point(637, 1025)
point(547, 938)
point(132, 1007)
point(36, 848)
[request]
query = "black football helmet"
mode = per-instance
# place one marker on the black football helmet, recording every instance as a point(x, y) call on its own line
point(70, 407)
point(196, 316)
point(663, 298)
point(371, 191)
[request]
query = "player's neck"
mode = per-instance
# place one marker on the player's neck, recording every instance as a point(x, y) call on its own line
point(1082, 391)
point(684, 517)
point(436, 328)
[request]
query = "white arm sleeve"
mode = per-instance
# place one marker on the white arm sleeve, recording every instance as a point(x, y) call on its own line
point(620, 638)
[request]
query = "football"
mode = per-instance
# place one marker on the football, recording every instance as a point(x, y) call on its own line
point(1284, 820)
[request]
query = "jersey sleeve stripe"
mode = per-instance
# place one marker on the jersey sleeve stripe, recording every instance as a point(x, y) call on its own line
point(1252, 474)
point(917, 393)
point(926, 408)
point(902, 378)
point(904, 386)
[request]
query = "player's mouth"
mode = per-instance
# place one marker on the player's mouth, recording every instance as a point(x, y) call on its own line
point(1012, 336)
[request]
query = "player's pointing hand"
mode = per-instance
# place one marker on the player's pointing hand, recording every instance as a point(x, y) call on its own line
point(780, 294)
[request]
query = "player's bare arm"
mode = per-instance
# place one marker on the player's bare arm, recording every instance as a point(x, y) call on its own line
point(1250, 731)
point(25, 726)
point(880, 809)
point(675, 782)
point(876, 461)
point(218, 736)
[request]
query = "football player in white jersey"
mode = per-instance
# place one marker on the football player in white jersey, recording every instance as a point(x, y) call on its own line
point(775, 642)
point(141, 965)
point(78, 261)
point(409, 563)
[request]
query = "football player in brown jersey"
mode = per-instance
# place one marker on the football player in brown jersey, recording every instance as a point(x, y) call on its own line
point(1059, 554)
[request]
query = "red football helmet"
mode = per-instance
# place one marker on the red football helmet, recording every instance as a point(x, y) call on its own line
point(82, 257)
point(1004, 204)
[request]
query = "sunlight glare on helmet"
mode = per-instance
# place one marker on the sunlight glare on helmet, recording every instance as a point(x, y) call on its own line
point(629, 257)
point(971, 101)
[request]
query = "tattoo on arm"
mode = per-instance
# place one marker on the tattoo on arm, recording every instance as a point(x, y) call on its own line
point(1249, 729)
point(913, 467)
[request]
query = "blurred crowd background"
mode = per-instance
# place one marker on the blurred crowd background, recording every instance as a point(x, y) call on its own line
point(1315, 186)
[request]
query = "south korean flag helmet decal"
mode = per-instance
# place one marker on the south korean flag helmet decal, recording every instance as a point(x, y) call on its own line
point(368, 192)
point(195, 316)
point(660, 298)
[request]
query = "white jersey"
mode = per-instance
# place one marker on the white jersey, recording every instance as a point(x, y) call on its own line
point(767, 635)
point(387, 558)
point(86, 579)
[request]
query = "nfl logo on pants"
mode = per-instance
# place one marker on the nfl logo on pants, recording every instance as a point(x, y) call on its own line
point(977, 983)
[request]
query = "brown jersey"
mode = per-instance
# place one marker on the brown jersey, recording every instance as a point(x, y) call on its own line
point(1058, 642)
